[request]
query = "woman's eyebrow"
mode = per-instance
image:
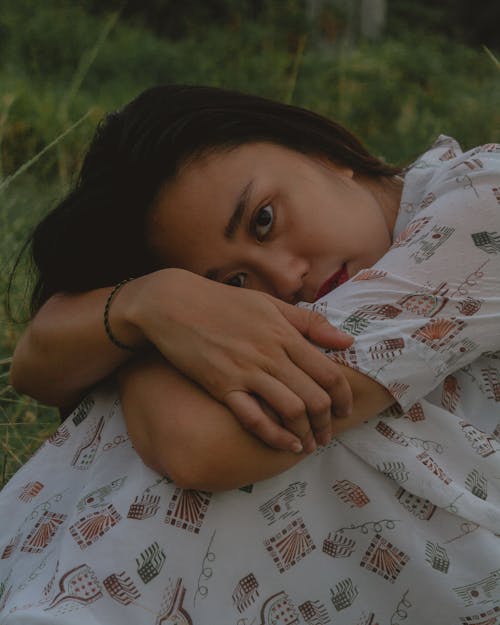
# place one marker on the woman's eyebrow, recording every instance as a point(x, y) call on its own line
point(239, 210)
point(234, 221)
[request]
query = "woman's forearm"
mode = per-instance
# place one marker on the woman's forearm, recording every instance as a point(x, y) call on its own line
point(65, 349)
point(179, 430)
point(234, 342)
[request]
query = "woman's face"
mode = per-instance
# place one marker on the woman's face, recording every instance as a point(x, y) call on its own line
point(268, 218)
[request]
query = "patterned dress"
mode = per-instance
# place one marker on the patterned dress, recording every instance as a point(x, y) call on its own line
point(396, 522)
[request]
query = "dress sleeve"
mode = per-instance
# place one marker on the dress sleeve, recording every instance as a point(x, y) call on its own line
point(431, 305)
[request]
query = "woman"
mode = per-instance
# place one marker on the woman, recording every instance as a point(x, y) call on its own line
point(394, 523)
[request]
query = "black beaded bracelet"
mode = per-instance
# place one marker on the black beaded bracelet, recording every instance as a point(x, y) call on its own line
point(107, 325)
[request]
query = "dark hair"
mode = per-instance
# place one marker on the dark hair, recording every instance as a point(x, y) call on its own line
point(96, 235)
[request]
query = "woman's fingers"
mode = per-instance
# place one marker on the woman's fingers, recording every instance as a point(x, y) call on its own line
point(325, 373)
point(304, 388)
point(226, 339)
point(314, 326)
point(304, 411)
point(261, 421)
point(304, 408)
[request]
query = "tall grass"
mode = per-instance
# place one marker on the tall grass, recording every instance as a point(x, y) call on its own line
point(61, 69)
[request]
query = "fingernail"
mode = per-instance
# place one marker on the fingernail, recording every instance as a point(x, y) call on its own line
point(311, 447)
point(297, 448)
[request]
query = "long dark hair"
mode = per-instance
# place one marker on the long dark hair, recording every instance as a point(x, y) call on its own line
point(96, 235)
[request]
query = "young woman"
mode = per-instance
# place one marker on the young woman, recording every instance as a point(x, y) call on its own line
point(393, 522)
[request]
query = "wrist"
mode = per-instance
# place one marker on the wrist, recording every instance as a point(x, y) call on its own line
point(121, 315)
point(144, 301)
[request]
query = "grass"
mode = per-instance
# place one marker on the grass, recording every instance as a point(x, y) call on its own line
point(61, 69)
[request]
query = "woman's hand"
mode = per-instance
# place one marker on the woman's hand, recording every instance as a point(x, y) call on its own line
point(244, 347)
point(180, 431)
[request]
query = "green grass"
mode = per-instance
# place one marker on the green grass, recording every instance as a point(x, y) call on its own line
point(61, 69)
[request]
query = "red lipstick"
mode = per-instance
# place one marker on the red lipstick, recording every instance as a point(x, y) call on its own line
point(338, 278)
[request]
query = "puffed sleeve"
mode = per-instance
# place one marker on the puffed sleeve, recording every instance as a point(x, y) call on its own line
point(431, 305)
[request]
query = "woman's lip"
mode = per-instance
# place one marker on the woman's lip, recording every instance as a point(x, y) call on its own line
point(335, 280)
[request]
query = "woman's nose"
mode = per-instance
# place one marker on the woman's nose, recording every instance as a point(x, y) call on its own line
point(285, 274)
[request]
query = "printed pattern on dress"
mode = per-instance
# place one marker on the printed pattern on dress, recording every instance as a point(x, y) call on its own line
point(43, 531)
point(350, 493)
point(387, 349)
point(477, 484)
point(450, 395)
point(30, 490)
point(437, 557)
point(338, 545)
point(59, 437)
point(278, 609)
point(481, 592)
point(314, 613)
point(428, 461)
point(439, 332)
point(430, 242)
point(491, 381)
point(172, 610)
point(144, 507)
point(11, 546)
point(290, 545)
point(98, 497)
point(94, 525)
point(488, 617)
point(187, 509)
point(77, 587)
point(150, 562)
point(488, 242)
point(411, 231)
point(427, 303)
point(83, 410)
point(415, 413)
point(86, 452)
point(384, 559)
point(344, 594)
point(246, 592)
point(421, 508)
point(469, 306)
point(121, 588)
point(482, 443)
point(281, 505)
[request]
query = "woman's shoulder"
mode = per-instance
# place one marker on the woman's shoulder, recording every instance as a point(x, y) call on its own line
point(446, 149)
point(445, 158)
point(444, 168)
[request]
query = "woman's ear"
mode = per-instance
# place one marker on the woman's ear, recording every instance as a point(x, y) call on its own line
point(339, 168)
point(343, 170)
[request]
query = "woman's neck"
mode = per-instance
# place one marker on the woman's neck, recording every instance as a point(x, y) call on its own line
point(387, 191)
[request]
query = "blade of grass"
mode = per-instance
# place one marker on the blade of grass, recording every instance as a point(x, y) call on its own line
point(4, 471)
point(8, 450)
point(494, 59)
point(8, 101)
point(81, 72)
point(297, 61)
point(86, 63)
point(37, 157)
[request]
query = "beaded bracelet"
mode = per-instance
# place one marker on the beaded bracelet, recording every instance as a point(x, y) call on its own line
point(107, 325)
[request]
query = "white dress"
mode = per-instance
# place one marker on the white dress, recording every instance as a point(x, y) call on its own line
point(394, 523)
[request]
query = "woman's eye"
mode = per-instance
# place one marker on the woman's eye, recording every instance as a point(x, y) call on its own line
point(263, 222)
point(237, 280)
